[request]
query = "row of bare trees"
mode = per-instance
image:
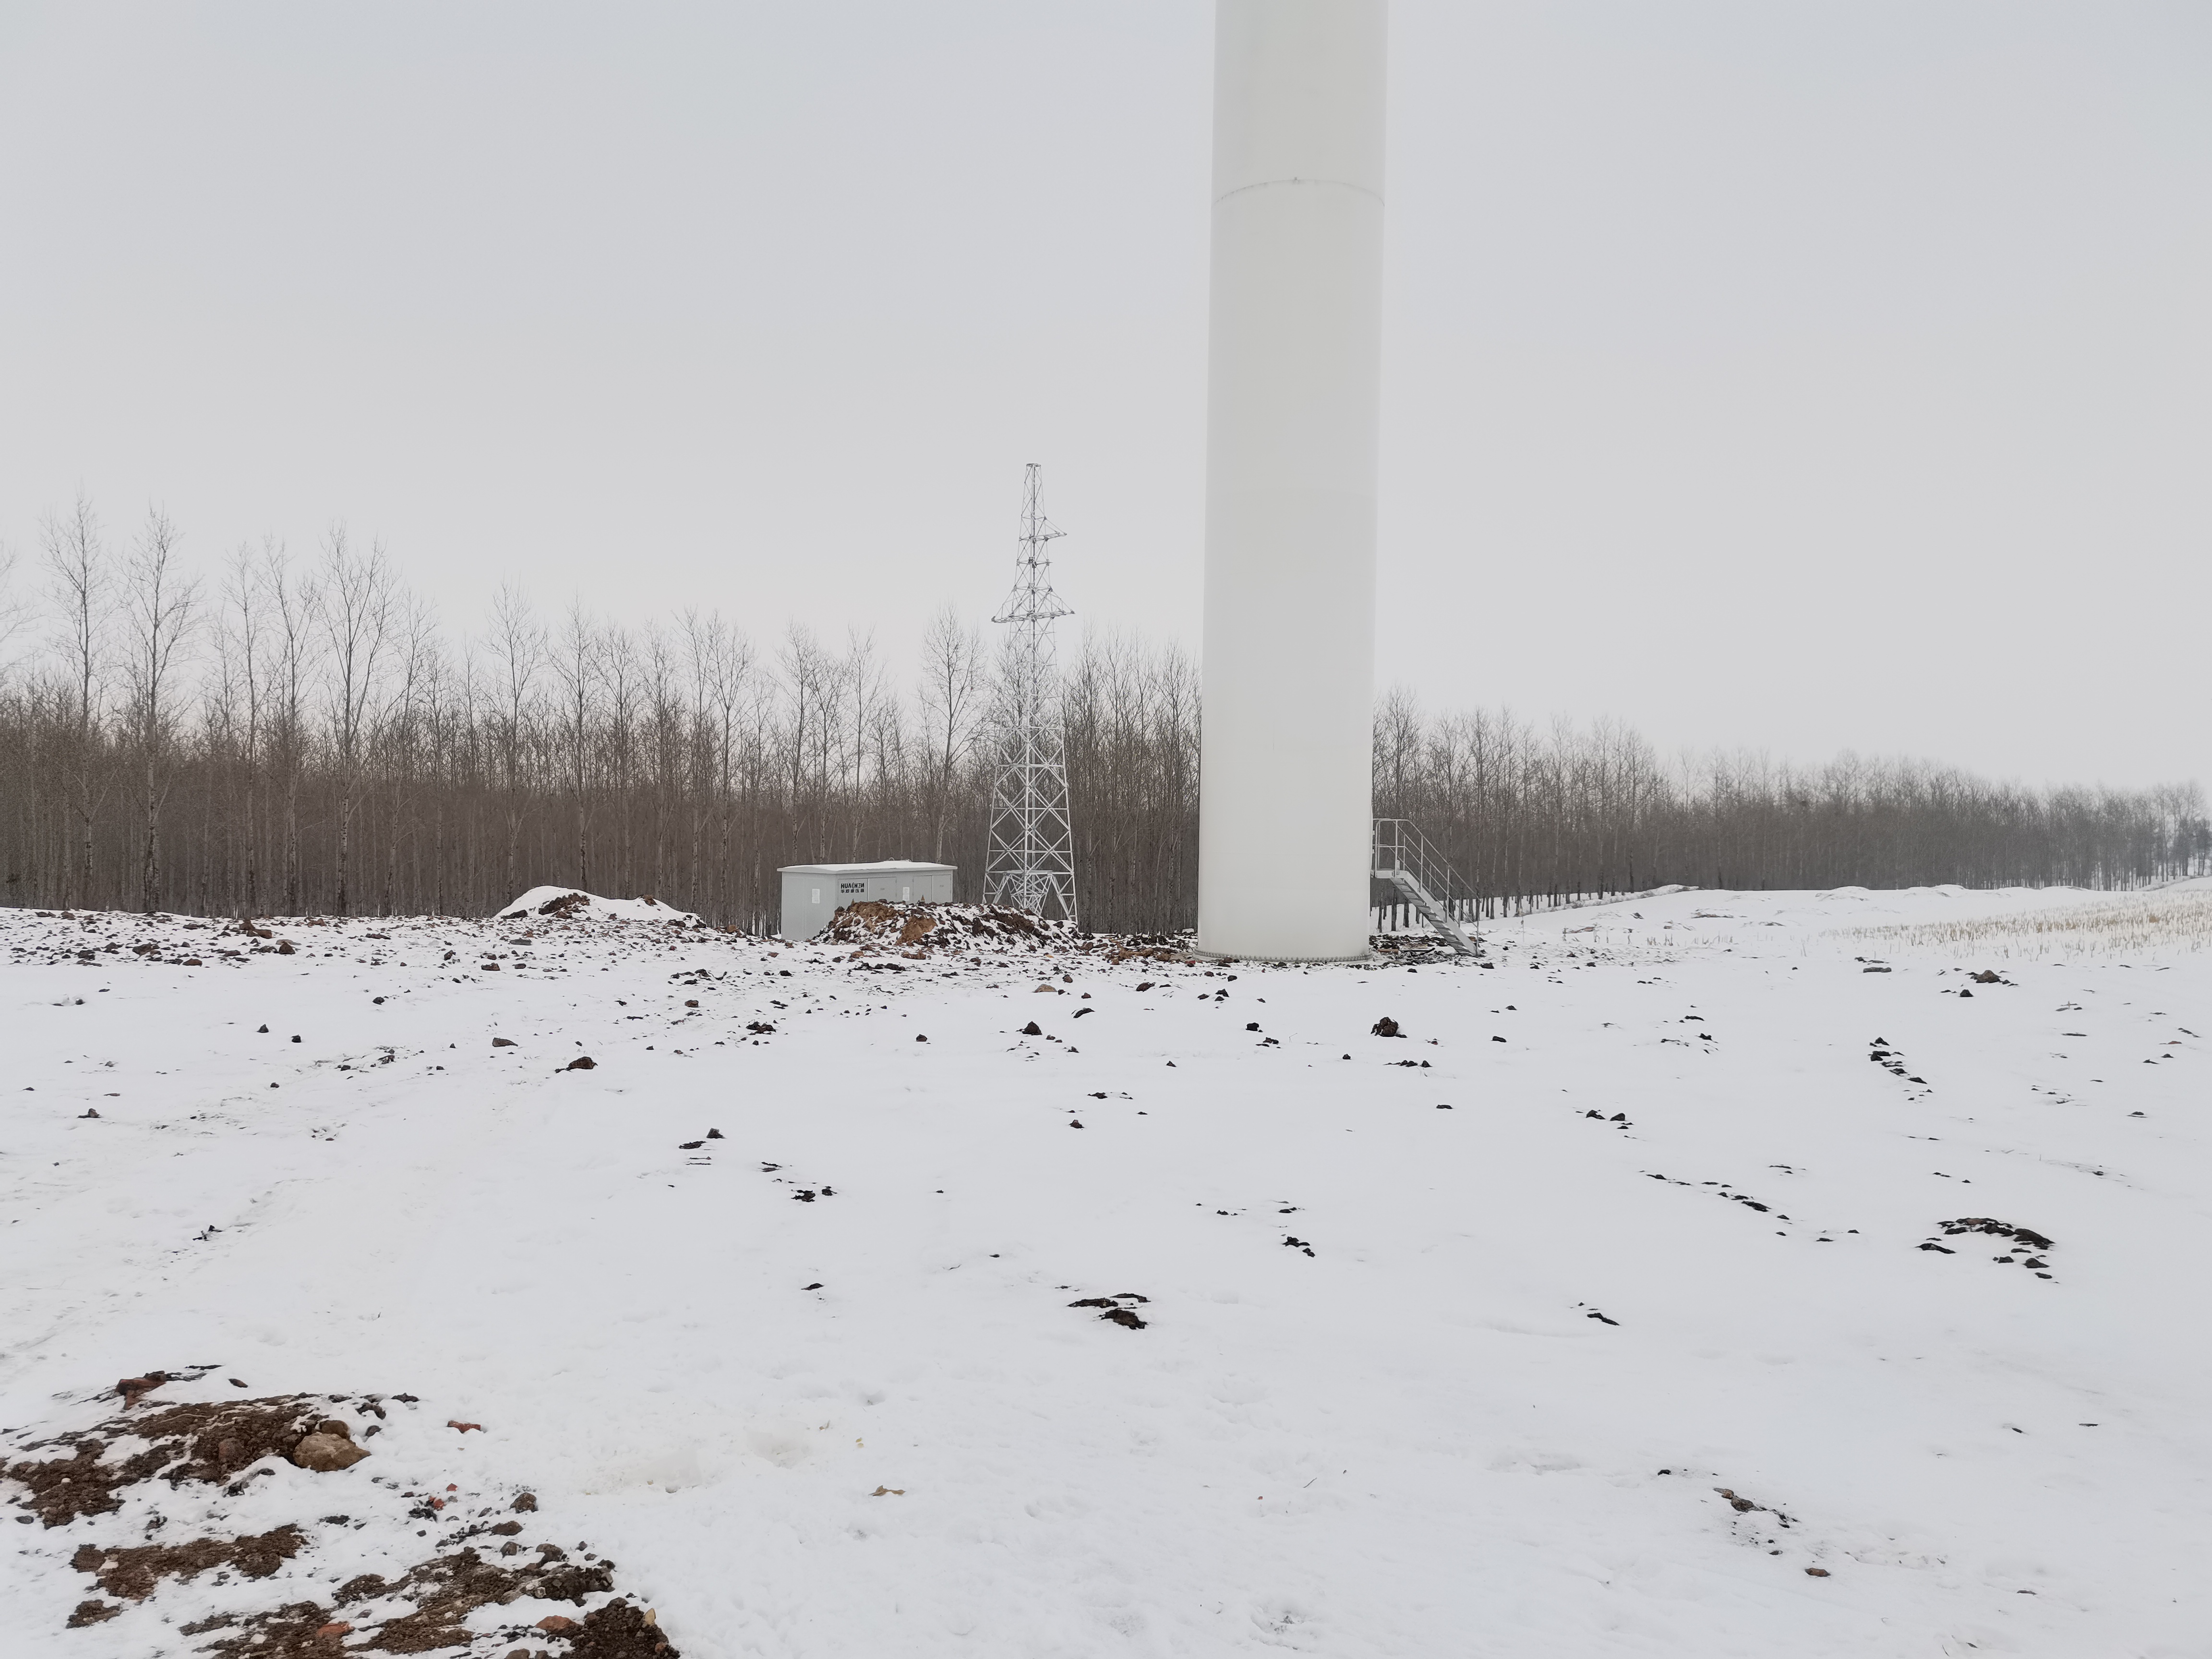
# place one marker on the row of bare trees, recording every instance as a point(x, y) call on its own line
point(298, 736)
point(1531, 816)
point(291, 736)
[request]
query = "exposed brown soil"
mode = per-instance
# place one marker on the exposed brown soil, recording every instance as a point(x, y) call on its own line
point(620, 1631)
point(446, 1589)
point(456, 1586)
point(63, 1488)
point(132, 1573)
point(878, 924)
point(135, 1388)
point(290, 1631)
point(424, 1610)
point(210, 1442)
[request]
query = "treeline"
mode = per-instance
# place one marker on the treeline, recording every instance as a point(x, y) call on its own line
point(286, 737)
point(1530, 816)
point(298, 737)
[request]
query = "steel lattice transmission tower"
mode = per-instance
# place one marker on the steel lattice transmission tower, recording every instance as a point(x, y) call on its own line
point(1032, 860)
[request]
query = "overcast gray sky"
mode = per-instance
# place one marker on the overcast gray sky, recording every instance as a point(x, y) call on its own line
point(1796, 376)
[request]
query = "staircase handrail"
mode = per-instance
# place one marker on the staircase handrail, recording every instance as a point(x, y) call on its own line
point(1398, 844)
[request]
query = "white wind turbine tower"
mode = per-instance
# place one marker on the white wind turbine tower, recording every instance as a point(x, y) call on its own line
point(1294, 388)
point(1032, 864)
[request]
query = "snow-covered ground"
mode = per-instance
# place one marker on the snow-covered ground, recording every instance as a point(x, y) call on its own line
point(1473, 1340)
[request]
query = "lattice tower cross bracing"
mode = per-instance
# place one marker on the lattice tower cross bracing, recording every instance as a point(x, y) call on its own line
point(1032, 858)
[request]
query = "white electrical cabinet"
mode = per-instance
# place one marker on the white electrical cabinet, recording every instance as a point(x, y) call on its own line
point(813, 893)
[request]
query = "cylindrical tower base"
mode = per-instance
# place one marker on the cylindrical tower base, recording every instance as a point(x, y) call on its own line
point(1294, 387)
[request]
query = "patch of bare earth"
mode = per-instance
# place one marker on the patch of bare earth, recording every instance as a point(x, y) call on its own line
point(878, 924)
point(209, 1442)
point(85, 1475)
point(132, 1573)
point(308, 1630)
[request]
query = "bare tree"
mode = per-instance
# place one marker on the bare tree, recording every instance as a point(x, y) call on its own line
point(865, 693)
point(415, 679)
point(293, 605)
point(517, 652)
point(159, 605)
point(577, 664)
point(76, 562)
point(356, 615)
point(14, 612)
point(241, 648)
point(664, 698)
point(722, 667)
point(625, 683)
point(955, 674)
point(812, 699)
point(24, 794)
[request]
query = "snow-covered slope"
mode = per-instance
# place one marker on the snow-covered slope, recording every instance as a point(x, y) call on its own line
point(1476, 1339)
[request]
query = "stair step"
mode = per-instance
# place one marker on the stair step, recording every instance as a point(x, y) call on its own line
point(1434, 913)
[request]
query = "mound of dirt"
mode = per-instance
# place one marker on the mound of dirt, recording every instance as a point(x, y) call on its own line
point(573, 904)
point(883, 925)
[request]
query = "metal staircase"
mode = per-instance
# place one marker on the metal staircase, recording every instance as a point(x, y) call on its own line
point(1402, 857)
